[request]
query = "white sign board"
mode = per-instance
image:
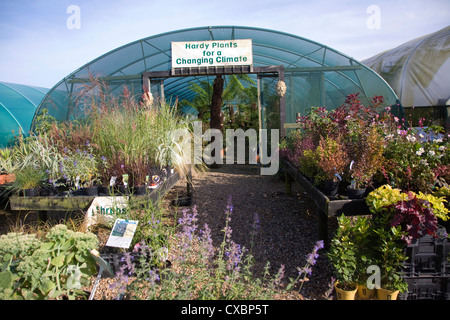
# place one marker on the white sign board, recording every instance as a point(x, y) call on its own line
point(189, 54)
point(104, 210)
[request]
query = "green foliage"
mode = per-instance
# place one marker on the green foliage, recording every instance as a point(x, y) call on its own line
point(153, 229)
point(54, 267)
point(390, 257)
point(44, 121)
point(148, 138)
point(380, 147)
point(80, 166)
point(202, 271)
point(7, 164)
point(309, 164)
point(363, 241)
point(385, 197)
point(28, 178)
point(343, 254)
point(92, 148)
point(235, 93)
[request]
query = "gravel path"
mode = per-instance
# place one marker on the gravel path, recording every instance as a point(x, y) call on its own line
point(287, 228)
point(287, 223)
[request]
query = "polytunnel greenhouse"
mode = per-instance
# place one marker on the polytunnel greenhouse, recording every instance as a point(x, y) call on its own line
point(418, 70)
point(18, 104)
point(314, 74)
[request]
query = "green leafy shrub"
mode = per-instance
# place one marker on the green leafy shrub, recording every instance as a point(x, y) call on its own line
point(52, 268)
point(343, 253)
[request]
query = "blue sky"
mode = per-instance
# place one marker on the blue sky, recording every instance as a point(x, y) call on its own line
point(38, 48)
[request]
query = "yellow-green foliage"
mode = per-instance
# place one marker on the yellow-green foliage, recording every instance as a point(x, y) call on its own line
point(385, 196)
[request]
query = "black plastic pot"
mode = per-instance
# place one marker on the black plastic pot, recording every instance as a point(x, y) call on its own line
point(124, 190)
point(91, 191)
point(30, 193)
point(355, 193)
point(329, 188)
point(140, 190)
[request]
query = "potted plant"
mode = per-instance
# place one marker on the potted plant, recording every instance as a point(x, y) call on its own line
point(390, 259)
point(343, 258)
point(28, 180)
point(7, 166)
point(359, 180)
point(80, 167)
point(363, 239)
point(332, 160)
point(367, 148)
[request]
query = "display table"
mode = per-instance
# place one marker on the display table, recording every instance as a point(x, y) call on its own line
point(326, 207)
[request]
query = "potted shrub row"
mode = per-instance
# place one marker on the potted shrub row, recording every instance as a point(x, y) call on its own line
point(361, 148)
point(376, 243)
point(77, 157)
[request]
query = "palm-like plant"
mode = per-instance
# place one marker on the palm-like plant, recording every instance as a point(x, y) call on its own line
point(234, 90)
point(202, 100)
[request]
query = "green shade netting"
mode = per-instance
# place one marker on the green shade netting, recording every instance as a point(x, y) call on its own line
point(315, 75)
point(18, 103)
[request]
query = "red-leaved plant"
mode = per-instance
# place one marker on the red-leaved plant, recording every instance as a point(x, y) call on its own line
point(416, 217)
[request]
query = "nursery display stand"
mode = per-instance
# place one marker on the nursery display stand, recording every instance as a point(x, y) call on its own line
point(326, 207)
point(45, 205)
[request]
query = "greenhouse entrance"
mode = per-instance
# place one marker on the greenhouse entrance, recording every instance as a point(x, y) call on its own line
point(271, 112)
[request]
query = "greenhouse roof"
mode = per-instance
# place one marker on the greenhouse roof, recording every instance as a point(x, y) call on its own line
point(18, 103)
point(315, 74)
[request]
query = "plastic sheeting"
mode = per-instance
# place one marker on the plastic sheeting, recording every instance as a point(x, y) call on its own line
point(418, 70)
point(18, 103)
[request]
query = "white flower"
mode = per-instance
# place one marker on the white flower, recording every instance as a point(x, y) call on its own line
point(442, 148)
point(420, 151)
point(437, 140)
point(431, 153)
point(410, 138)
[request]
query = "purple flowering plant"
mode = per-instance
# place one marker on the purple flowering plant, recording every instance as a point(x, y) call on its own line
point(201, 270)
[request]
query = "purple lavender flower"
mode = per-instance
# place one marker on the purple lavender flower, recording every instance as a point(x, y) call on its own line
point(279, 276)
point(188, 223)
point(207, 243)
point(311, 260)
point(229, 205)
point(234, 255)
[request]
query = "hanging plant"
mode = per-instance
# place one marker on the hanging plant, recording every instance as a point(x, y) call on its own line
point(281, 88)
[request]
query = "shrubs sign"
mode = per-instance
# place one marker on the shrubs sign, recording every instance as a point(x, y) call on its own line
point(104, 210)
